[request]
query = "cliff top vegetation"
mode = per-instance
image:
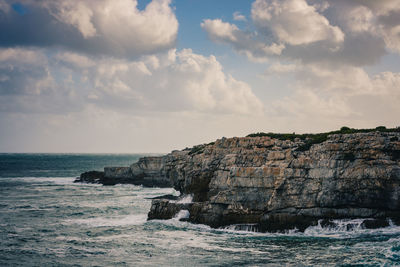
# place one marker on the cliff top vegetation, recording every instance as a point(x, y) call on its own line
point(316, 138)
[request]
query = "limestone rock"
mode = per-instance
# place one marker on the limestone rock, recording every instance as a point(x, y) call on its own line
point(272, 183)
point(148, 171)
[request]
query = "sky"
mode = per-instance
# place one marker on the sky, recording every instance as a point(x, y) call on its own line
point(151, 76)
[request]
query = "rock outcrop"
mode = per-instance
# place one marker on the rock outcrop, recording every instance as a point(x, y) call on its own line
point(93, 177)
point(275, 185)
point(148, 171)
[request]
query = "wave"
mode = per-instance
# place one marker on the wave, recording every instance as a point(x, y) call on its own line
point(30, 179)
point(338, 229)
point(113, 221)
point(186, 199)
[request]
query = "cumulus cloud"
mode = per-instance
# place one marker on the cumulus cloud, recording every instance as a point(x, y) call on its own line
point(22, 72)
point(294, 22)
point(348, 95)
point(282, 28)
point(28, 84)
point(278, 68)
point(75, 102)
point(116, 28)
point(378, 18)
point(173, 81)
point(243, 42)
point(338, 32)
point(238, 16)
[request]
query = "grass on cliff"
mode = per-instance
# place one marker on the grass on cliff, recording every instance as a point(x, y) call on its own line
point(311, 139)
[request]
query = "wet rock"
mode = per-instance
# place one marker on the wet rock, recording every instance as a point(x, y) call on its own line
point(164, 209)
point(270, 183)
point(90, 177)
point(166, 197)
point(148, 172)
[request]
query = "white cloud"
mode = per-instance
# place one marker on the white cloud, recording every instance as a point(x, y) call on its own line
point(245, 43)
point(239, 17)
point(21, 56)
point(294, 22)
point(117, 76)
point(4, 7)
point(173, 81)
point(221, 31)
point(378, 18)
point(358, 19)
point(341, 96)
point(183, 81)
point(278, 68)
point(75, 13)
point(339, 32)
point(111, 27)
point(76, 103)
point(292, 29)
point(24, 73)
point(382, 7)
point(75, 60)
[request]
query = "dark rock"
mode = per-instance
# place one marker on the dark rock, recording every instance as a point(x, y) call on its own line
point(148, 172)
point(375, 223)
point(167, 197)
point(270, 183)
point(164, 209)
point(90, 177)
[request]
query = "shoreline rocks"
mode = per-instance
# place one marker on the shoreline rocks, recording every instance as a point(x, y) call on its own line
point(272, 184)
point(93, 177)
point(269, 183)
point(148, 172)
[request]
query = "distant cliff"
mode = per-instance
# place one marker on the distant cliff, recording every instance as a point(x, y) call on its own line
point(281, 184)
point(148, 171)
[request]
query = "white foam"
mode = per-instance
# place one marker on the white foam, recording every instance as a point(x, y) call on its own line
point(348, 229)
point(53, 180)
point(113, 221)
point(340, 229)
point(182, 214)
point(183, 224)
point(185, 199)
point(242, 228)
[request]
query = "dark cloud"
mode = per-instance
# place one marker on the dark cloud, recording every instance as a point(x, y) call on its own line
point(357, 50)
point(355, 33)
point(81, 26)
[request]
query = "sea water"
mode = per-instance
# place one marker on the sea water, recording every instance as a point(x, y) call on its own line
point(47, 220)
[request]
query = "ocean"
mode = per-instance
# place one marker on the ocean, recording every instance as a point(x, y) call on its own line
point(47, 220)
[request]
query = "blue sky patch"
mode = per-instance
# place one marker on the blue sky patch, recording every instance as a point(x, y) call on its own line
point(20, 8)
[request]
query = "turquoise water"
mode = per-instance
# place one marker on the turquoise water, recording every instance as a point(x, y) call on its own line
point(46, 220)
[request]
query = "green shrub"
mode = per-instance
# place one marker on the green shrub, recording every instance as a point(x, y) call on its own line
point(196, 149)
point(311, 139)
point(345, 129)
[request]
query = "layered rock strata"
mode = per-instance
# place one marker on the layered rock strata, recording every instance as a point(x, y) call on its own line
point(273, 184)
point(148, 171)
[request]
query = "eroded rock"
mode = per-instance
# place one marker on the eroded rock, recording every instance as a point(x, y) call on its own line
point(269, 182)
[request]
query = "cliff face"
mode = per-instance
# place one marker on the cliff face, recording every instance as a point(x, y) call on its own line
point(148, 171)
point(271, 183)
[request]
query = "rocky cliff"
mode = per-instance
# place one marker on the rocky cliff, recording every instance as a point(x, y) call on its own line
point(277, 184)
point(148, 171)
